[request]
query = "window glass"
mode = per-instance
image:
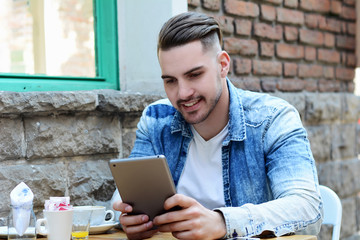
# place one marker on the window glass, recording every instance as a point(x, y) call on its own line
point(51, 37)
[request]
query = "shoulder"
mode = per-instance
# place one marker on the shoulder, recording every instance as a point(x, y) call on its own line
point(255, 100)
point(259, 107)
point(160, 109)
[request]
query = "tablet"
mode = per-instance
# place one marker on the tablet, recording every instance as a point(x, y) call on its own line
point(144, 183)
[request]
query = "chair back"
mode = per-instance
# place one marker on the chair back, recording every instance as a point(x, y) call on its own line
point(332, 210)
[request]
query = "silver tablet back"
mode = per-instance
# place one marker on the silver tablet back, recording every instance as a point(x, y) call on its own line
point(144, 182)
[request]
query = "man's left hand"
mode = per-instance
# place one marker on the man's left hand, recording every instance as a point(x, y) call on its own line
point(193, 221)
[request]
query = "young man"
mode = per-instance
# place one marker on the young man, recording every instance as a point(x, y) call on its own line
point(241, 161)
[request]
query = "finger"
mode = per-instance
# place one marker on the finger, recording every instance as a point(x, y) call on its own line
point(122, 207)
point(178, 200)
point(175, 226)
point(133, 220)
point(136, 229)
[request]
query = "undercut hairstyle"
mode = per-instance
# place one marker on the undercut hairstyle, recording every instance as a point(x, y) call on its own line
point(187, 27)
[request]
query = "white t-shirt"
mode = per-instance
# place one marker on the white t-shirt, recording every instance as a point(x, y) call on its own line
point(202, 177)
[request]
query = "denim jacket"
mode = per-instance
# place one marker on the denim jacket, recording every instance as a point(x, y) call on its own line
point(269, 173)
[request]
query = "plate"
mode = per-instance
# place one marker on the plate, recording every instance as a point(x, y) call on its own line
point(93, 229)
point(103, 227)
point(4, 231)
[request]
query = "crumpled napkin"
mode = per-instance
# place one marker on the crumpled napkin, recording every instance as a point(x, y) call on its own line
point(58, 204)
point(21, 201)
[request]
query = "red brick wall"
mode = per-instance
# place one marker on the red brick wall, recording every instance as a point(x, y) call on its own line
point(287, 45)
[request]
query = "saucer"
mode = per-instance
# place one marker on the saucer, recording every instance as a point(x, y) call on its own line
point(3, 232)
point(102, 228)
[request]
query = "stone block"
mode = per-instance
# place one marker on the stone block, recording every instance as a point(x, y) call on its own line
point(128, 140)
point(12, 144)
point(30, 102)
point(320, 140)
point(350, 108)
point(295, 99)
point(340, 176)
point(116, 101)
point(61, 136)
point(43, 179)
point(130, 120)
point(348, 223)
point(343, 140)
point(358, 211)
point(90, 182)
point(319, 108)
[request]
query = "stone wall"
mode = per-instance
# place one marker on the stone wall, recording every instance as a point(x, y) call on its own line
point(59, 143)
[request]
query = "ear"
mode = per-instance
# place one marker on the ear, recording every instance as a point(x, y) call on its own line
point(224, 61)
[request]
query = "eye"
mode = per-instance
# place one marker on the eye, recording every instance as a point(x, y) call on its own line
point(169, 81)
point(195, 74)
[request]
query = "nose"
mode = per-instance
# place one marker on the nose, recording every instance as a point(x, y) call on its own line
point(186, 90)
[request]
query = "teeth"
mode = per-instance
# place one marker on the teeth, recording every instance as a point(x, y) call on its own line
point(190, 104)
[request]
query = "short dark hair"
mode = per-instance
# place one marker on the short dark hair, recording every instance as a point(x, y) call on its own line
point(188, 27)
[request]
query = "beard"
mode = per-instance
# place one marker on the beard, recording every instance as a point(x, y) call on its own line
point(191, 118)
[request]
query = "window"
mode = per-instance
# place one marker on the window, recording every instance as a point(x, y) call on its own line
point(37, 70)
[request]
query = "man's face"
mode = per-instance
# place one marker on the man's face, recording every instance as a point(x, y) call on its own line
point(192, 80)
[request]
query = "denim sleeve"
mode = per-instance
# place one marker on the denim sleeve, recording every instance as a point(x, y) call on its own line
point(293, 181)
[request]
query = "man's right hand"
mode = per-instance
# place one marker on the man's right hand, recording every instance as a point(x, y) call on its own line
point(135, 226)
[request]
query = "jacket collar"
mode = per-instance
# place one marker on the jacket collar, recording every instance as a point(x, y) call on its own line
point(236, 118)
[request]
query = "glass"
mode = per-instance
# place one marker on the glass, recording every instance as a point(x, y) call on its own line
point(21, 223)
point(81, 224)
point(52, 37)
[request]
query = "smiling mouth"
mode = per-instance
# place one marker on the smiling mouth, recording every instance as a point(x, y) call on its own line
point(191, 103)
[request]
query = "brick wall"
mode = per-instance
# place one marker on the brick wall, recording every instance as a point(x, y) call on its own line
point(303, 51)
point(287, 45)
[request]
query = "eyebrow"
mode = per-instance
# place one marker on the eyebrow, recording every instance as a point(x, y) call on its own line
point(186, 73)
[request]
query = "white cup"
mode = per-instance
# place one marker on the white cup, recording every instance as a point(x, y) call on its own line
point(58, 224)
point(98, 214)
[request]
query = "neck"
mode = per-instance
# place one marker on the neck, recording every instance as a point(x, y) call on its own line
point(217, 119)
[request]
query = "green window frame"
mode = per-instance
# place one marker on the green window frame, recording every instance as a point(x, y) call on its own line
point(106, 60)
